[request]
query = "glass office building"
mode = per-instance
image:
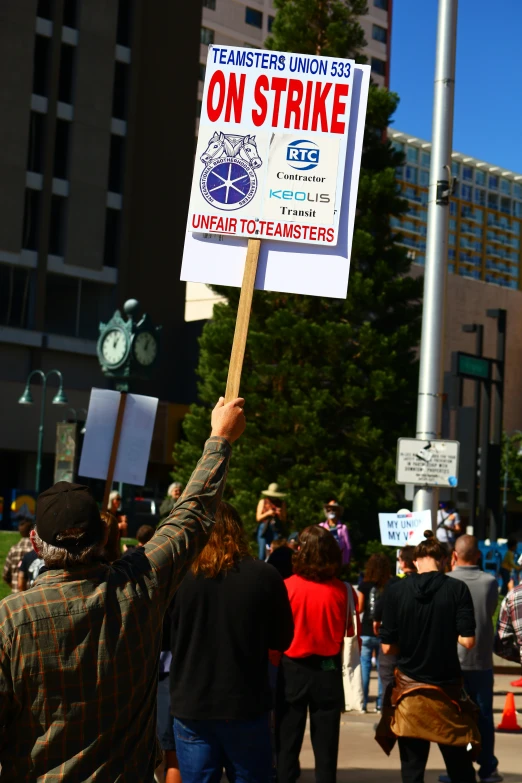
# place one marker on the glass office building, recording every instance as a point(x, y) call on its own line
point(485, 213)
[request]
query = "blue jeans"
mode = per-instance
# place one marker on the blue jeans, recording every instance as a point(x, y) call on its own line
point(241, 747)
point(369, 644)
point(479, 685)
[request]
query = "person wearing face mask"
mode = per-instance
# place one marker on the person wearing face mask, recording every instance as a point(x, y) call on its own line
point(339, 530)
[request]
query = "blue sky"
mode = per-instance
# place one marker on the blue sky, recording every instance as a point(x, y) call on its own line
point(488, 93)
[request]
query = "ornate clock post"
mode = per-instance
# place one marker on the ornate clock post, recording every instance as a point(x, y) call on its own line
point(128, 348)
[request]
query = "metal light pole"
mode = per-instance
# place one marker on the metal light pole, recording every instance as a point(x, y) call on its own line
point(432, 339)
point(27, 399)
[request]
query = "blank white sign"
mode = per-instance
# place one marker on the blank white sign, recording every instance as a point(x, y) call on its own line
point(135, 438)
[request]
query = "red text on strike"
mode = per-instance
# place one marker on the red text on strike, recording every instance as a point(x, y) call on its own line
point(294, 104)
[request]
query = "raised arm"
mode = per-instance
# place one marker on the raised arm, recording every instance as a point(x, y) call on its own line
point(184, 533)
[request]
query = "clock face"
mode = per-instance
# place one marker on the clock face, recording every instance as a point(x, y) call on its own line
point(114, 347)
point(145, 348)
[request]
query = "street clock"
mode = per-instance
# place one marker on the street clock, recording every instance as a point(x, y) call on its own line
point(128, 348)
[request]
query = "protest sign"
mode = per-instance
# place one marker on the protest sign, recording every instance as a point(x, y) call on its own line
point(404, 527)
point(219, 259)
point(118, 436)
point(271, 162)
point(271, 147)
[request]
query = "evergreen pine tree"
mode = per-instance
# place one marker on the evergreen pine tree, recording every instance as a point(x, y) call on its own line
point(330, 384)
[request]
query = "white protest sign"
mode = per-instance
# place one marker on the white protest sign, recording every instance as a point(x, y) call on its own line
point(290, 268)
point(271, 148)
point(135, 437)
point(405, 527)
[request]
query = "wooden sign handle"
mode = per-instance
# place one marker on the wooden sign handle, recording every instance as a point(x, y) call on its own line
point(114, 450)
point(242, 320)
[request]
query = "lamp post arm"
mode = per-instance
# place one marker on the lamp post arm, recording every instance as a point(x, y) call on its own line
point(58, 373)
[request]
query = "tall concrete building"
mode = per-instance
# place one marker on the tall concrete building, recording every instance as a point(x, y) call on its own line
point(93, 191)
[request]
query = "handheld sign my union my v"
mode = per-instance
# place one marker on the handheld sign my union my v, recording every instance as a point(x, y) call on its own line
point(271, 151)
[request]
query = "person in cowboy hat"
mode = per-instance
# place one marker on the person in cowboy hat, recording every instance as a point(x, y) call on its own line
point(339, 530)
point(270, 516)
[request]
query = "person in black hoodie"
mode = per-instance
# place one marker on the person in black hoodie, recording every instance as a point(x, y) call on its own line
point(424, 617)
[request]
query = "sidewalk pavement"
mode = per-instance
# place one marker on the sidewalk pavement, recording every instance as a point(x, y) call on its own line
point(361, 760)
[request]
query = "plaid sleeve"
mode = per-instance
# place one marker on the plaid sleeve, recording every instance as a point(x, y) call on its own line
point(6, 684)
point(8, 565)
point(184, 533)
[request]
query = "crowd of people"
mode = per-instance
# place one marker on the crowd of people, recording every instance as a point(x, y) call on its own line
point(186, 657)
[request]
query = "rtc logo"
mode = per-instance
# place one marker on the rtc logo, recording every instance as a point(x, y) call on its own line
point(302, 155)
point(228, 180)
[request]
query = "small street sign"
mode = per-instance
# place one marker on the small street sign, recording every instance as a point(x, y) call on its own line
point(475, 367)
point(427, 463)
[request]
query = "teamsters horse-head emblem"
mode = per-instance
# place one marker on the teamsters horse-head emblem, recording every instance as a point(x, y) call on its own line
point(228, 180)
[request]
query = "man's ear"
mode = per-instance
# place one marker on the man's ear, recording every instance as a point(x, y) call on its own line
point(32, 536)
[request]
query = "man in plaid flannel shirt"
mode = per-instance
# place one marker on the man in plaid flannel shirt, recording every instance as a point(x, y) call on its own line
point(79, 651)
point(15, 554)
point(509, 628)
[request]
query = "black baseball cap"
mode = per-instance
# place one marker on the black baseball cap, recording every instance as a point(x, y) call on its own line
point(65, 506)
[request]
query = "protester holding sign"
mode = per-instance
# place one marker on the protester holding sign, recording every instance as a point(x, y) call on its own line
point(87, 630)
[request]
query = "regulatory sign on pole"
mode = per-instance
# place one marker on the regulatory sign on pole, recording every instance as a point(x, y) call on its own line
point(272, 143)
point(428, 463)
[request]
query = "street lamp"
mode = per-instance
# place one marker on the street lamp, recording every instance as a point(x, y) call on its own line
point(506, 479)
point(76, 417)
point(27, 399)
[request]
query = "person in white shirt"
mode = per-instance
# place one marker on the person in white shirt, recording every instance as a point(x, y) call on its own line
point(448, 524)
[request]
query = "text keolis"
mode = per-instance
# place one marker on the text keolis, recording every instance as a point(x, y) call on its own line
point(272, 143)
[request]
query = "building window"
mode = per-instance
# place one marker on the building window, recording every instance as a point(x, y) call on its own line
point(467, 173)
point(480, 177)
point(425, 159)
point(202, 72)
point(116, 164)
point(41, 65)
point(492, 201)
point(95, 306)
point(411, 175)
point(451, 240)
point(493, 182)
point(124, 25)
point(424, 178)
point(517, 209)
point(61, 149)
point(35, 150)
point(61, 304)
point(412, 155)
point(480, 197)
point(455, 169)
point(44, 9)
point(465, 192)
point(31, 229)
point(505, 205)
point(379, 33)
point(517, 190)
point(453, 208)
point(70, 13)
point(378, 66)
point(209, 4)
point(120, 91)
point(271, 20)
point(14, 295)
point(253, 17)
point(505, 186)
point(57, 226)
point(66, 78)
point(111, 252)
point(206, 36)
point(381, 4)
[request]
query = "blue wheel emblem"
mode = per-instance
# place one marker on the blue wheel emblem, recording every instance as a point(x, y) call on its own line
point(228, 180)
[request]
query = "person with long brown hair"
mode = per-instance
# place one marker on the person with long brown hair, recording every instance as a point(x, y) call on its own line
point(310, 677)
point(376, 576)
point(424, 618)
point(229, 611)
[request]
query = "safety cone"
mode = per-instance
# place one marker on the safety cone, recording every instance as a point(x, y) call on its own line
point(509, 716)
point(517, 683)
